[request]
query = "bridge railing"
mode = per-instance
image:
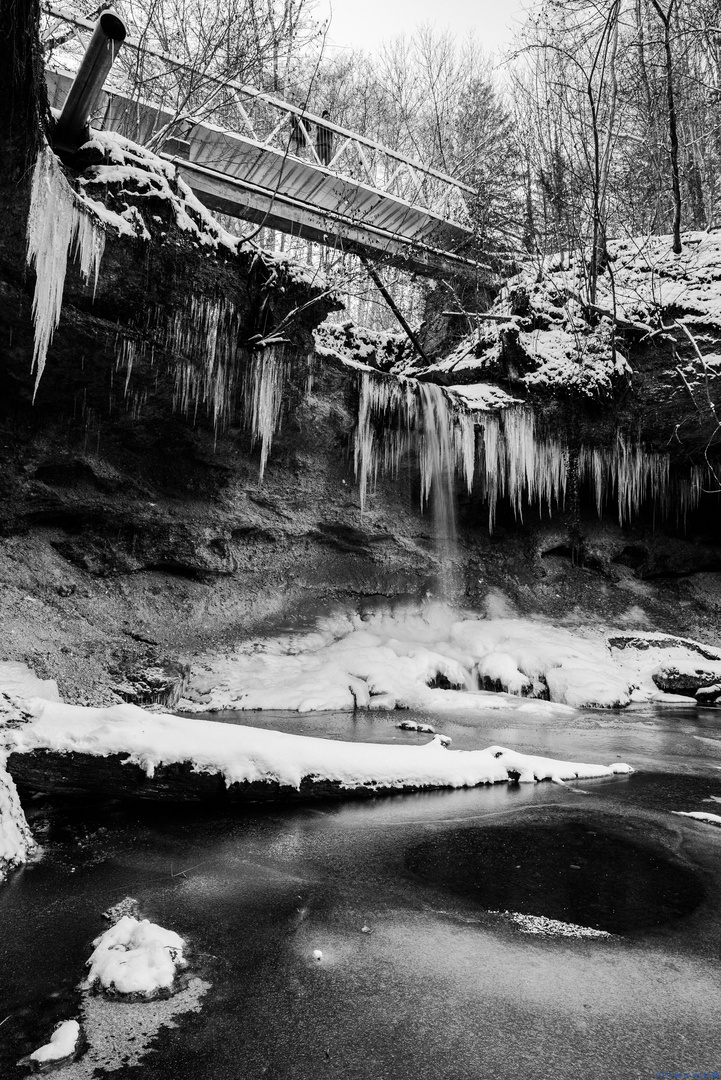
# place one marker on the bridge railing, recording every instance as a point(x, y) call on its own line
point(182, 95)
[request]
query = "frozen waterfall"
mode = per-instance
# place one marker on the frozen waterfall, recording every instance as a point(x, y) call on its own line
point(502, 452)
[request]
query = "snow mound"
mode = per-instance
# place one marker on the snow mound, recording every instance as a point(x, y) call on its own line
point(135, 957)
point(62, 1043)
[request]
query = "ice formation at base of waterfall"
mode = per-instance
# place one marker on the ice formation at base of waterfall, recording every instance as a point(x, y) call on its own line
point(389, 661)
point(499, 449)
point(58, 223)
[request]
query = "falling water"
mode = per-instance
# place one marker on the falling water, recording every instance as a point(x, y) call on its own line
point(437, 465)
point(399, 415)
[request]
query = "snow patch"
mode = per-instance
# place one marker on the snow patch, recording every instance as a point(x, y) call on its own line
point(18, 680)
point(540, 924)
point(710, 819)
point(16, 841)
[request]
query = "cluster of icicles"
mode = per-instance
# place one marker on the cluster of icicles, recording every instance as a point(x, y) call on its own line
point(499, 450)
point(57, 224)
point(202, 337)
point(501, 453)
point(211, 370)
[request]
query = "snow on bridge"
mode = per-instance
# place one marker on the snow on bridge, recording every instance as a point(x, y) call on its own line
point(269, 166)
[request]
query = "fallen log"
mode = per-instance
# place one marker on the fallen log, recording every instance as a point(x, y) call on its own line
point(126, 752)
point(113, 777)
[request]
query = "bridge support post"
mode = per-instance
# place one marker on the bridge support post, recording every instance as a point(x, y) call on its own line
point(379, 284)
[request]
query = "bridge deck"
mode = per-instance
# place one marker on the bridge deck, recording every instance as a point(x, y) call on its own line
point(262, 183)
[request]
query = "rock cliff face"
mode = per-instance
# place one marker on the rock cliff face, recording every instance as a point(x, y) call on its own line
point(135, 525)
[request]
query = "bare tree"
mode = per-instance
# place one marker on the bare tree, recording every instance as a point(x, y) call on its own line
point(665, 17)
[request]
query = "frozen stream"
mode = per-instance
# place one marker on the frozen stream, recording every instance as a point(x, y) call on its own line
point(417, 979)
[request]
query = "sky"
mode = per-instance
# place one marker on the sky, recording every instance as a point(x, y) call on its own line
point(365, 23)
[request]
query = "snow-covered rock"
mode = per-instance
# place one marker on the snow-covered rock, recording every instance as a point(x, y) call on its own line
point(708, 695)
point(62, 1044)
point(16, 841)
point(687, 677)
point(135, 957)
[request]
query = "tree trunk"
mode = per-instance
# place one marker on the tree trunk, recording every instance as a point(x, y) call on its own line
point(665, 18)
point(24, 114)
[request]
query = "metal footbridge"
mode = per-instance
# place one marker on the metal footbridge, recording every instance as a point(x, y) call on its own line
point(280, 166)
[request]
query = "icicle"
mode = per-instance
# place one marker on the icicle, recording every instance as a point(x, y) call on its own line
point(264, 380)
point(203, 338)
point(398, 417)
point(636, 477)
point(57, 223)
point(201, 343)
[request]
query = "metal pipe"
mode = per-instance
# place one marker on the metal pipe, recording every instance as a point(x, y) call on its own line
point(107, 39)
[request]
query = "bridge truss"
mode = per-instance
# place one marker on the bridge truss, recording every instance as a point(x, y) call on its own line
point(262, 163)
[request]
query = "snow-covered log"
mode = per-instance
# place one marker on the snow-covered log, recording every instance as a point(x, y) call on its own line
point(126, 751)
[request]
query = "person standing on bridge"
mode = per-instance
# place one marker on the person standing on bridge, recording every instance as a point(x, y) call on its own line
point(298, 129)
point(324, 141)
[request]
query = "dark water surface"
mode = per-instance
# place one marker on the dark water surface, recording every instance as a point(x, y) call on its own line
point(440, 987)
